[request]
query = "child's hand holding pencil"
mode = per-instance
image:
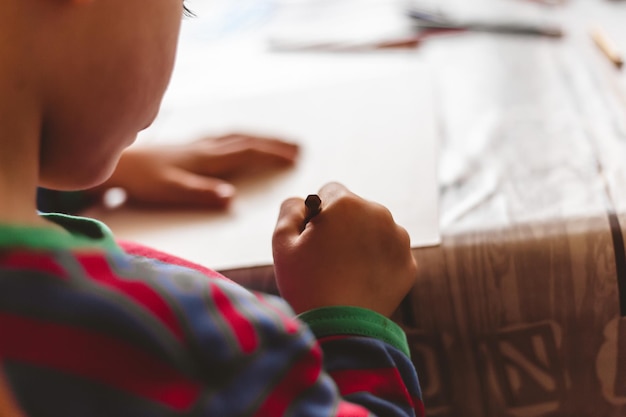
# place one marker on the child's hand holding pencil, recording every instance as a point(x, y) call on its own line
point(351, 252)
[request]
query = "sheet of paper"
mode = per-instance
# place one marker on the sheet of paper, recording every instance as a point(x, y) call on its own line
point(374, 132)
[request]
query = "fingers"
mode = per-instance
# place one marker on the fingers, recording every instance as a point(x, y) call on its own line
point(293, 212)
point(185, 189)
point(332, 191)
point(239, 142)
point(240, 137)
point(237, 153)
point(205, 192)
point(290, 220)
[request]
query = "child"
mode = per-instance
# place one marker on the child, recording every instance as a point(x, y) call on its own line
point(88, 328)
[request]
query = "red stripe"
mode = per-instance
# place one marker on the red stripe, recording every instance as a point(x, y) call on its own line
point(99, 270)
point(240, 326)
point(349, 386)
point(385, 383)
point(300, 377)
point(325, 339)
point(420, 411)
point(35, 262)
point(133, 248)
point(347, 409)
point(97, 357)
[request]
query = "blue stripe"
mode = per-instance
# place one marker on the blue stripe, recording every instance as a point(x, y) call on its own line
point(84, 304)
point(364, 353)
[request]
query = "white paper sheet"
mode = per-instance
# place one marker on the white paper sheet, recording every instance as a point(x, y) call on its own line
point(374, 132)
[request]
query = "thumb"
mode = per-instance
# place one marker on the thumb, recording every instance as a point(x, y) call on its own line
point(290, 220)
point(194, 190)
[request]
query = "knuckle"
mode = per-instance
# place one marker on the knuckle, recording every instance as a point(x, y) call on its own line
point(403, 236)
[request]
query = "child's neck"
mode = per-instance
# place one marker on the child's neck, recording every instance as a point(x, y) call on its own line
point(20, 128)
point(18, 188)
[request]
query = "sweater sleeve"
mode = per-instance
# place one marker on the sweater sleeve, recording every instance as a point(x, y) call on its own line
point(367, 356)
point(272, 364)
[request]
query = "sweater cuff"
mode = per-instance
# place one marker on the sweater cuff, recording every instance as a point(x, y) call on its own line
point(356, 321)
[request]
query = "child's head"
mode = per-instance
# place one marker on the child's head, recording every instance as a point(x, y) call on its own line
point(95, 71)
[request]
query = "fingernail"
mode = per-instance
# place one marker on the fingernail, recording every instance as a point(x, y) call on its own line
point(225, 190)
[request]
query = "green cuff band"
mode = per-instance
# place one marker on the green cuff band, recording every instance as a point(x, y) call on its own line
point(347, 320)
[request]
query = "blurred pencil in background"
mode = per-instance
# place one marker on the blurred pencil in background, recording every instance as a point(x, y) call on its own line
point(607, 46)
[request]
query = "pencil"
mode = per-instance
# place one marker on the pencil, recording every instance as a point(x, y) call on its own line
point(607, 46)
point(313, 205)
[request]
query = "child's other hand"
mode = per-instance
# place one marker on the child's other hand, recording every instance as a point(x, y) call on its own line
point(196, 174)
point(351, 253)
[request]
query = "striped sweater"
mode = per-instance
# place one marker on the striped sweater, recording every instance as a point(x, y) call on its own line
point(89, 328)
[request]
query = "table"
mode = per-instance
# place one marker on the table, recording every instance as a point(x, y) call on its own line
point(517, 312)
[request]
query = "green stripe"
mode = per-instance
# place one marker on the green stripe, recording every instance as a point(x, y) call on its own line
point(82, 233)
point(348, 320)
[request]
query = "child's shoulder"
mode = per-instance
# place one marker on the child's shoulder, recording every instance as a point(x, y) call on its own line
point(132, 297)
point(86, 277)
